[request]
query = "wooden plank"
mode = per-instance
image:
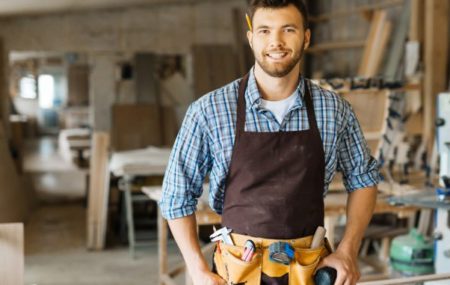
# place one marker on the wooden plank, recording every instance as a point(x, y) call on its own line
point(3, 91)
point(214, 66)
point(323, 47)
point(372, 120)
point(436, 60)
point(377, 40)
point(162, 248)
point(147, 88)
point(202, 70)
point(98, 192)
point(417, 20)
point(414, 124)
point(170, 125)
point(397, 49)
point(136, 126)
point(239, 32)
point(223, 65)
point(11, 254)
point(78, 85)
point(13, 196)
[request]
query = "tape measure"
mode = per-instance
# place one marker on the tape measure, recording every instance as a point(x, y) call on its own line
point(281, 252)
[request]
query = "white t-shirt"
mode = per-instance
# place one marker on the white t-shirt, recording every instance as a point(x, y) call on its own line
point(281, 107)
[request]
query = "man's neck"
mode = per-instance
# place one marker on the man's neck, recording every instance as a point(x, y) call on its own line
point(276, 88)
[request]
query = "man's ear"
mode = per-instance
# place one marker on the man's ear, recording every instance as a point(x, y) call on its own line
point(307, 38)
point(250, 38)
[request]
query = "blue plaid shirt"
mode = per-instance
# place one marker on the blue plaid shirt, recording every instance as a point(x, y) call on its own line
point(205, 143)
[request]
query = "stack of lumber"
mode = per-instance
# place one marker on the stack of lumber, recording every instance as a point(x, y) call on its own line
point(98, 192)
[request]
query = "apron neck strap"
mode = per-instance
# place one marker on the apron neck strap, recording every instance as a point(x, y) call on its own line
point(241, 112)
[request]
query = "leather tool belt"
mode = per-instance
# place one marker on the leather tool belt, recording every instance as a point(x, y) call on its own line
point(229, 266)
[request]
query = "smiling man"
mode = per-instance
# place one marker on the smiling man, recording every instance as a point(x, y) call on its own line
point(271, 143)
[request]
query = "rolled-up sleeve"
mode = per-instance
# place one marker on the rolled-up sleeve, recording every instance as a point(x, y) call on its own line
point(188, 165)
point(358, 167)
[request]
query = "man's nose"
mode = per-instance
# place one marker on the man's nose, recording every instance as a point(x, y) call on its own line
point(276, 40)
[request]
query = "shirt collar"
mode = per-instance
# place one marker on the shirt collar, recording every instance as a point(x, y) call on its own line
point(253, 97)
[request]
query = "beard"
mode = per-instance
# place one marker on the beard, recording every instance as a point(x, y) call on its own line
point(279, 69)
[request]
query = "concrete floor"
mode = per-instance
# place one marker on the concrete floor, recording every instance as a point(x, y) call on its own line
point(55, 235)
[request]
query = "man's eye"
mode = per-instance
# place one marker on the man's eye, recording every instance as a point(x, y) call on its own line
point(263, 31)
point(290, 30)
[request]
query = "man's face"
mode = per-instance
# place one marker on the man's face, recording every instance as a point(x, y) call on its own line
point(278, 39)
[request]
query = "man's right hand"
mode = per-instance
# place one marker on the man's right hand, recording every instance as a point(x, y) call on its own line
point(207, 278)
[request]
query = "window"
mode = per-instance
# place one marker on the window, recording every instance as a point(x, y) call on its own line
point(27, 87)
point(46, 91)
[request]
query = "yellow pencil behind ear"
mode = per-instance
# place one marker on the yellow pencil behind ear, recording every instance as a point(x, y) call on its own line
point(249, 22)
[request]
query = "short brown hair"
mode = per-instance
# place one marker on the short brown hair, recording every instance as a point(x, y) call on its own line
point(299, 4)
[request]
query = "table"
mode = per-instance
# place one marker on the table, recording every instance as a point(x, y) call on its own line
point(127, 165)
point(335, 207)
point(80, 147)
point(204, 216)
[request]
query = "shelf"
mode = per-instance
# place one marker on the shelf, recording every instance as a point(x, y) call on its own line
point(323, 47)
point(361, 9)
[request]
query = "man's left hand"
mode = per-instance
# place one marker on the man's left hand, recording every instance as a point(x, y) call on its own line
point(346, 265)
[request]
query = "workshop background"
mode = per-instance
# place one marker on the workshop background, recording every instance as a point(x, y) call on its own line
point(92, 94)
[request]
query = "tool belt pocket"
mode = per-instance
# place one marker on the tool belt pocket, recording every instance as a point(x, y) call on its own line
point(234, 270)
point(305, 263)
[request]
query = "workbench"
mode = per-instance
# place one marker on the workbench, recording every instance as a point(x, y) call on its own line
point(335, 207)
point(204, 216)
point(127, 165)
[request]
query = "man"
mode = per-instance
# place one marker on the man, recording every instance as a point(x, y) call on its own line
point(271, 143)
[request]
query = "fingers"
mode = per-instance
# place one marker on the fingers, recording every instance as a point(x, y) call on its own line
point(345, 276)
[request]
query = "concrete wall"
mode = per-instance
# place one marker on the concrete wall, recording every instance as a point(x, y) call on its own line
point(157, 28)
point(107, 35)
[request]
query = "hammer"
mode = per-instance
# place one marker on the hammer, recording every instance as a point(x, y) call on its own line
point(325, 275)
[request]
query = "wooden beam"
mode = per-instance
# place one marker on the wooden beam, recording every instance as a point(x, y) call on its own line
point(380, 31)
point(3, 96)
point(361, 9)
point(392, 69)
point(417, 20)
point(238, 20)
point(436, 59)
point(98, 192)
point(11, 254)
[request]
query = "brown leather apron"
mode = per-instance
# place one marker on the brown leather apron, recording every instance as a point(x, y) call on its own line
point(275, 181)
